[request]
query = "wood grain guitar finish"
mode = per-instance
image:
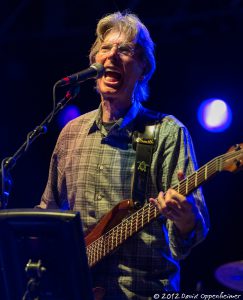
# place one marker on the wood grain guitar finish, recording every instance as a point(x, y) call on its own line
point(123, 220)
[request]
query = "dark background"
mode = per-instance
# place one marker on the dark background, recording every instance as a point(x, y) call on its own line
point(199, 52)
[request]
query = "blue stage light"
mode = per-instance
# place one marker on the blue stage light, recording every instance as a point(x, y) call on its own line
point(214, 115)
point(67, 114)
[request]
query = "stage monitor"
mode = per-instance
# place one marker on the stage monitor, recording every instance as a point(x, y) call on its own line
point(43, 256)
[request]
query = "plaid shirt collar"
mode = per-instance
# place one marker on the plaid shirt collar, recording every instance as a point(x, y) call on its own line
point(124, 124)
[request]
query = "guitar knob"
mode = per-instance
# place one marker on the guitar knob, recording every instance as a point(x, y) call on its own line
point(237, 147)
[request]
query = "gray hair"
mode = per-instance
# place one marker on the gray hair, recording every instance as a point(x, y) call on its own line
point(135, 31)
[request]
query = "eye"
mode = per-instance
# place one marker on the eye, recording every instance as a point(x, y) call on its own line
point(105, 48)
point(126, 49)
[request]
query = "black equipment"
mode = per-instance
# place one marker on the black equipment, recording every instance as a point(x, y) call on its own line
point(43, 256)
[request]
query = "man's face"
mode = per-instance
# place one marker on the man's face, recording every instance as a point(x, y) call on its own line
point(124, 68)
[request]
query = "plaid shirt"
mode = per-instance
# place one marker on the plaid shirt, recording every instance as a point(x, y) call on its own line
point(91, 171)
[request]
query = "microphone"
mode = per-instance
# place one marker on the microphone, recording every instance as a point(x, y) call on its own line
point(94, 71)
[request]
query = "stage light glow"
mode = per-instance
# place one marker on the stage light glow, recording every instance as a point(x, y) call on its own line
point(214, 115)
point(67, 114)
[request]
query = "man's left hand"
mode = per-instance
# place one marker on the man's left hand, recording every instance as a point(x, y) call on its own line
point(178, 208)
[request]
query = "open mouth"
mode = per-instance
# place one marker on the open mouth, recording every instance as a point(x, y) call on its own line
point(112, 75)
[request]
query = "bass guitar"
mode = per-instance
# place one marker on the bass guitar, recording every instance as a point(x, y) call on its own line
point(124, 220)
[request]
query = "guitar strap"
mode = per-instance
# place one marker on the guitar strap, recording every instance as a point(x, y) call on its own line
point(145, 144)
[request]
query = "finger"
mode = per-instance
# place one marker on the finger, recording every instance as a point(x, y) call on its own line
point(161, 195)
point(154, 201)
point(181, 206)
point(159, 201)
point(174, 205)
point(175, 196)
point(180, 175)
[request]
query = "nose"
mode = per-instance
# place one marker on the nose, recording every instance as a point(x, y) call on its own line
point(113, 51)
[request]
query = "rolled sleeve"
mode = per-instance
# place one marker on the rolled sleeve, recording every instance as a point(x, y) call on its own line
point(181, 156)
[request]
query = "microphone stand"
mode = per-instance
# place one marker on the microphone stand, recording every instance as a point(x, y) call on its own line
point(9, 162)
